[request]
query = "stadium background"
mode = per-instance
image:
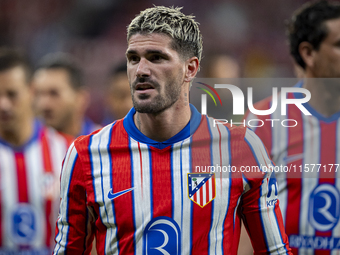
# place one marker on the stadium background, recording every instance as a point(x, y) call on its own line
point(94, 31)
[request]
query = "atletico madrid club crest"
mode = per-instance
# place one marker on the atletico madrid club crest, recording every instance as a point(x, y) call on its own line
point(201, 188)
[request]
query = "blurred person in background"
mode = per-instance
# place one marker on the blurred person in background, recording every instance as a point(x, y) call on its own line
point(221, 65)
point(310, 197)
point(61, 97)
point(30, 159)
point(118, 96)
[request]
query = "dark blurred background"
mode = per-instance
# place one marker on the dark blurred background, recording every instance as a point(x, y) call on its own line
point(94, 31)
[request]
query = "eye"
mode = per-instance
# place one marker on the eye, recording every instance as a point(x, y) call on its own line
point(12, 94)
point(133, 58)
point(156, 58)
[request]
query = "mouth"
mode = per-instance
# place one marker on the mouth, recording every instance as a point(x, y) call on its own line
point(143, 87)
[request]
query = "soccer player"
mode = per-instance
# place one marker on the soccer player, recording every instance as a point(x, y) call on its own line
point(118, 97)
point(30, 159)
point(61, 97)
point(310, 197)
point(140, 184)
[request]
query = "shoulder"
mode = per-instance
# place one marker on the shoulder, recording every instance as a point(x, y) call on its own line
point(101, 137)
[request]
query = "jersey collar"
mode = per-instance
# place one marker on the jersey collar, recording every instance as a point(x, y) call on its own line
point(189, 129)
point(316, 114)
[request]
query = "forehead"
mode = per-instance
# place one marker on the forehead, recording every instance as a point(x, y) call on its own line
point(333, 29)
point(52, 77)
point(154, 41)
point(14, 78)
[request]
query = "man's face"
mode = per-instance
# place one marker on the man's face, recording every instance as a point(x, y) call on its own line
point(15, 98)
point(155, 72)
point(119, 96)
point(327, 58)
point(56, 100)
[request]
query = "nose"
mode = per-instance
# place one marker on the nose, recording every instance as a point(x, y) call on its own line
point(42, 99)
point(143, 69)
point(5, 103)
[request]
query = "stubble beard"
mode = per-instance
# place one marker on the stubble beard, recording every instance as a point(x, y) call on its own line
point(161, 102)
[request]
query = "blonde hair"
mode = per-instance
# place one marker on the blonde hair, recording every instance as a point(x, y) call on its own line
point(187, 39)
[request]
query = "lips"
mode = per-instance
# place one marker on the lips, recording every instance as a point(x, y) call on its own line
point(143, 86)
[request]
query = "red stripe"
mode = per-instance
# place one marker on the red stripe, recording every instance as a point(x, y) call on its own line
point(76, 209)
point(294, 181)
point(161, 182)
point(21, 176)
point(208, 183)
point(201, 217)
point(121, 180)
point(232, 232)
point(48, 200)
point(327, 156)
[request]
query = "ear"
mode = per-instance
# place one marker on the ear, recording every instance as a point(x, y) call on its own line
point(191, 68)
point(307, 51)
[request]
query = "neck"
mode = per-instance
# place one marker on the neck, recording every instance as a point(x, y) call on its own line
point(18, 136)
point(162, 126)
point(325, 95)
point(74, 126)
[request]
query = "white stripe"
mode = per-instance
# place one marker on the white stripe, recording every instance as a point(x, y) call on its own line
point(101, 163)
point(204, 195)
point(137, 192)
point(146, 164)
point(9, 194)
point(217, 214)
point(35, 174)
point(58, 148)
point(139, 196)
point(210, 189)
point(178, 193)
point(198, 197)
point(336, 229)
point(258, 148)
point(187, 203)
point(222, 186)
point(65, 181)
point(309, 180)
point(271, 230)
point(279, 152)
point(252, 116)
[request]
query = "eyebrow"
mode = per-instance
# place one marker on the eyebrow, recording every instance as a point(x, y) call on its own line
point(130, 52)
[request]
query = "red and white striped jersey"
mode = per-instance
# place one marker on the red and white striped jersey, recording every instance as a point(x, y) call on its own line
point(309, 186)
point(29, 192)
point(139, 196)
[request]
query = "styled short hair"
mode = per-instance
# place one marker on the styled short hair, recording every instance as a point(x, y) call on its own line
point(307, 25)
point(66, 62)
point(10, 58)
point(183, 29)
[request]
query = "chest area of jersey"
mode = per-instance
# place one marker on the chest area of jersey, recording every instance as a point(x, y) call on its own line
point(165, 183)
